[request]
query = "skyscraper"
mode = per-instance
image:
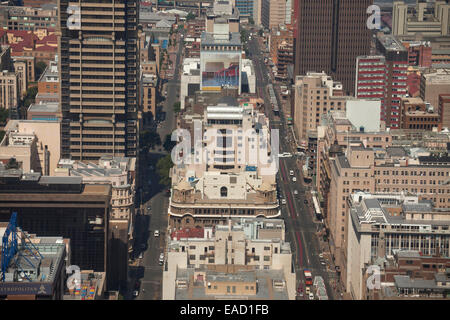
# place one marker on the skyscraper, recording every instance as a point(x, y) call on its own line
point(98, 78)
point(330, 35)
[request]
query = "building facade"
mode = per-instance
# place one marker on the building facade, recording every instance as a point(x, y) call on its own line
point(100, 110)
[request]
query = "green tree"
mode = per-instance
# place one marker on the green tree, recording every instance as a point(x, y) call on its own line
point(12, 164)
point(168, 143)
point(177, 107)
point(39, 68)
point(190, 16)
point(4, 113)
point(163, 167)
point(150, 139)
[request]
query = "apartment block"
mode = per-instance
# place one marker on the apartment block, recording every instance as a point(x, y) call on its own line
point(256, 247)
point(419, 53)
point(428, 19)
point(100, 111)
point(386, 225)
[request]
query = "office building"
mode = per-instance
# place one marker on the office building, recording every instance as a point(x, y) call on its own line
point(37, 274)
point(224, 180)
point(275, 13)
point(48, 82)
point(222, 12)
point(382, 225)
point(99, 80)
point(433, 83)
point(444, 110)
point(417, 114)
point(315, 95)
point(429, 19)
point(28, 17)
point(246, 258)
point(119, 173)
point(35, 144)
point(330, 35)
point(9, 90)
point(61, 206)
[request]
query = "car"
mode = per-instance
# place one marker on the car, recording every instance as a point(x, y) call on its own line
point(294, 179)
point(307, 290)
point(135, 293)
point(305, 201)
point(161, 259)
point(320, 255)
point(141, 255)
point(322, 262)
point(149, 207)
point(291, 172)
point(311, 296)
point(283, 201)
point(156, 233)
point(295, 192)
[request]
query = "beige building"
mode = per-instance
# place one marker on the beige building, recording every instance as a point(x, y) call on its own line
point(33, 143)
point(255, 246)
point(230, 173)
point(149, 98)
point(222, 12)
point(20, 67)
point(429, 21)
point(9, 90)
point(315, 95)
point(380, 225)
point(349, 161)
point(433, 83)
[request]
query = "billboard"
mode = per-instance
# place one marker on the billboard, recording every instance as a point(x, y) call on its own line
point(220, 70)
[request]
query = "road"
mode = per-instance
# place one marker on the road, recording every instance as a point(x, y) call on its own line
point(147, 271)
point(300, 224)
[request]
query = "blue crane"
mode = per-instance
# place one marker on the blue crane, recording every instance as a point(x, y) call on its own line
point(10, 248)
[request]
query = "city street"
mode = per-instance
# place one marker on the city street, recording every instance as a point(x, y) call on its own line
point(147, 271)
point(301, 228)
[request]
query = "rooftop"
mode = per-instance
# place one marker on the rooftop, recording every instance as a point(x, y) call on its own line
point(209, 39)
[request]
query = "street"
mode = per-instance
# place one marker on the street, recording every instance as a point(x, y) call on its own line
point(299, 220)
point(146, 271)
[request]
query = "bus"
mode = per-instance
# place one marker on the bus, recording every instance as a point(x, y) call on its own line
point(308, 277)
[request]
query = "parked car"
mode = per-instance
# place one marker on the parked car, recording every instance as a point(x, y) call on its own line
point(294, 179)
point(283, 201)
point(305, 202)
point(295, 192)
point(311, 296)
point(141, 255)
point(156, 233)
point(135, 293)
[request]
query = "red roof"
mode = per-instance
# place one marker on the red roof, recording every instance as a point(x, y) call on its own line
point(46, 48)
point(187, 233)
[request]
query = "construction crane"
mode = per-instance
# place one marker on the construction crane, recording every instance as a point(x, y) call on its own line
point(10, 248)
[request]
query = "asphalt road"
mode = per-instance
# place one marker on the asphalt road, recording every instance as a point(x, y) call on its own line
point(300, 224)
point(147, 271)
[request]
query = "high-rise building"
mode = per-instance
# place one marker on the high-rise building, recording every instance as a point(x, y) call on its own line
point(330, 35)
point(98, 70)
point(384, 77)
